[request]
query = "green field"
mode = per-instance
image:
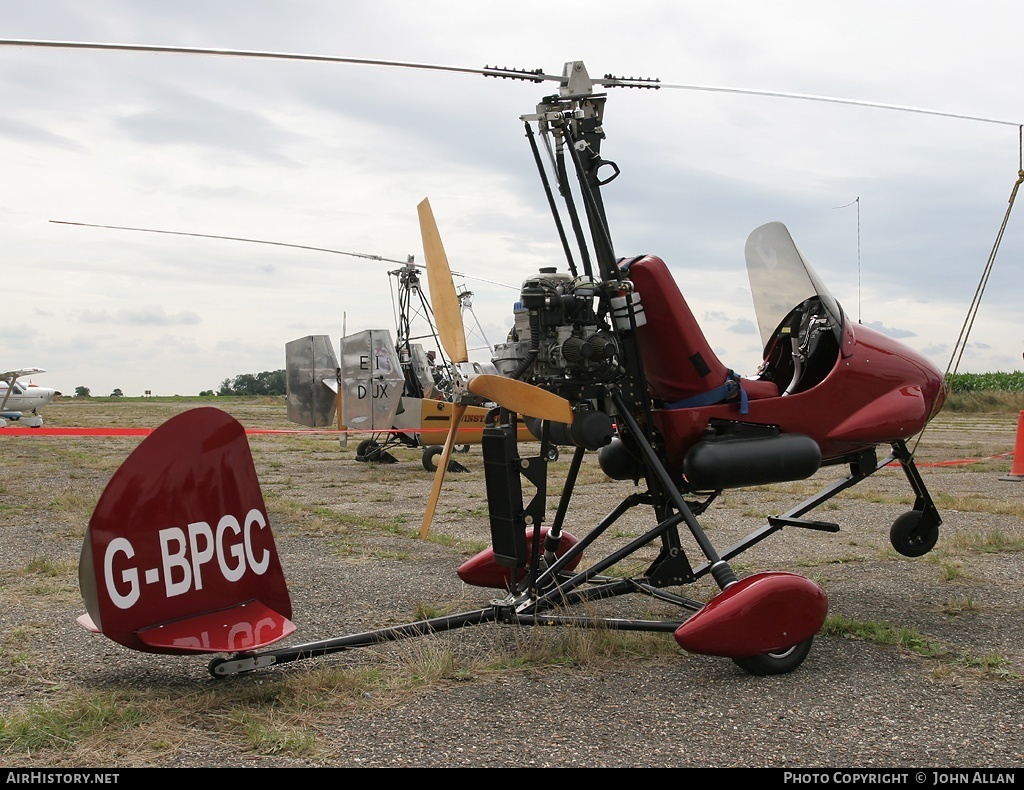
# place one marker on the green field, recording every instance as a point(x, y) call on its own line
point(985, 392)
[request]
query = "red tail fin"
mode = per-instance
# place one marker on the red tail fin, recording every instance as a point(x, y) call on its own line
point(179, 556)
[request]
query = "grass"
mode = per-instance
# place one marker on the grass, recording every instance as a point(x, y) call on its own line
point(348, 528)
point(883, 633)
point(70, 722)
point(993, 541)
point(978, 503)
point(984, 402)
point(952, 571)
point(247, 718)
point(956, 546)
point(275, 713)
point(909, 639)
point(41, 579)
point(958, 606)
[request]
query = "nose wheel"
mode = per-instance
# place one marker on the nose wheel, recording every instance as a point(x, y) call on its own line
point(913, 534)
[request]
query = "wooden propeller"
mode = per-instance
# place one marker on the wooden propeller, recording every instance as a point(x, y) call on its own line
point(517, 396)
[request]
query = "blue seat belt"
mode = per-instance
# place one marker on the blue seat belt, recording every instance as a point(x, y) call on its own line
point(716, 395)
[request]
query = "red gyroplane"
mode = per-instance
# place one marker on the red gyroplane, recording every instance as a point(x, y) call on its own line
point(604, 357)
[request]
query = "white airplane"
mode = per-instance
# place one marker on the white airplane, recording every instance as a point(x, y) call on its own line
point(21, 403)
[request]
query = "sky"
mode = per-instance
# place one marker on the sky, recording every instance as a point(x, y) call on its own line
point(898, 212)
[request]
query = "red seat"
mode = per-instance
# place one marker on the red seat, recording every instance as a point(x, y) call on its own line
point(678, 362)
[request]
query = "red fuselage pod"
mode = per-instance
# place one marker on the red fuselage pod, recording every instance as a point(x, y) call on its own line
point(179, 555)
point(878, 391)
point(861, 389)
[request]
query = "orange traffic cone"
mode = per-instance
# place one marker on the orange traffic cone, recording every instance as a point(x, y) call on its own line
point(1017, 470)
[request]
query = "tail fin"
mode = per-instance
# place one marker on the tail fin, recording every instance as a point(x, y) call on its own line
point(179, 556)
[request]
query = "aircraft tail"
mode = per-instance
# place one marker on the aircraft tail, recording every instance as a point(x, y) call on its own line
point(311, 379)
point(179, 556)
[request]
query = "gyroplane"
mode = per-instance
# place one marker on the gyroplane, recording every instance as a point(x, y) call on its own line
point(395, 391)
point(392, 390)
point(603, 356)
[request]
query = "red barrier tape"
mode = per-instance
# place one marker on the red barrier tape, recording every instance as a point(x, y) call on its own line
point(122, 431)
point(44, 431)
point(75, 431)
point(287, 432)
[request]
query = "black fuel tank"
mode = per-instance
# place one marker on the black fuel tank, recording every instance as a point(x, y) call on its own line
point(734, 462)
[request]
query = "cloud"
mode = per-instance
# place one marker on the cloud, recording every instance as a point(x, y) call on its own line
point(152, 315)
point(338, 156)
point(16, 130)
point(890, 331)
point(743, 327)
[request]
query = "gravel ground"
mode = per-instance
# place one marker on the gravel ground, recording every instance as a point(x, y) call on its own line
point(852, 703)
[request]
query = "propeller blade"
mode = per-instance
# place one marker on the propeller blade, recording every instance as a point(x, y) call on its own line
point(443, 299)
point(523, 398)
point(435, 490)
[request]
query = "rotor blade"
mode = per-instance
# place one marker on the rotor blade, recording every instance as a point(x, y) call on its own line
point(407, 262)
point(443, 299)
point(528, 75)
point(518, 396)
point(458, 410)
point(829, 99)
point(234, 238)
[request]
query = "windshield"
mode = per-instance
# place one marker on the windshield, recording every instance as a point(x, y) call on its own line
point(781, 279)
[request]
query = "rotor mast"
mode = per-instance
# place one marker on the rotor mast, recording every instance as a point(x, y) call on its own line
point(573, 118)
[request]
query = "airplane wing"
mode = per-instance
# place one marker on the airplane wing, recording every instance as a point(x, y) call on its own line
point(12, 375)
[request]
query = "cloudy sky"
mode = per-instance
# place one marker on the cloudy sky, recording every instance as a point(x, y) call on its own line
point(897, 211)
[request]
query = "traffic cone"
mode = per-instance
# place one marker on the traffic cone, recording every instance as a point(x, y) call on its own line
point(1017, 470)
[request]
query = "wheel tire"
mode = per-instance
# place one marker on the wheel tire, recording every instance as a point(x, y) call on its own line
point(212, 667)
point(430, 457)
point(776, 663)
point(912, 535)
point(367, 450)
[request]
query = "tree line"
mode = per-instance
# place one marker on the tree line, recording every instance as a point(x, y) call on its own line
point(272, 382)
point(269, 382)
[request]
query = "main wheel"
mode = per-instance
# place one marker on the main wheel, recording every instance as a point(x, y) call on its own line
point(913, 535)
point(367, 450)
point(776, 663)
point(430, 457)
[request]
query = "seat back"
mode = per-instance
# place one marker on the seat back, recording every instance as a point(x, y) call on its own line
point(678, 361)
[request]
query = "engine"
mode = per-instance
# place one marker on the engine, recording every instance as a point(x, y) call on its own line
point(559, 338)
